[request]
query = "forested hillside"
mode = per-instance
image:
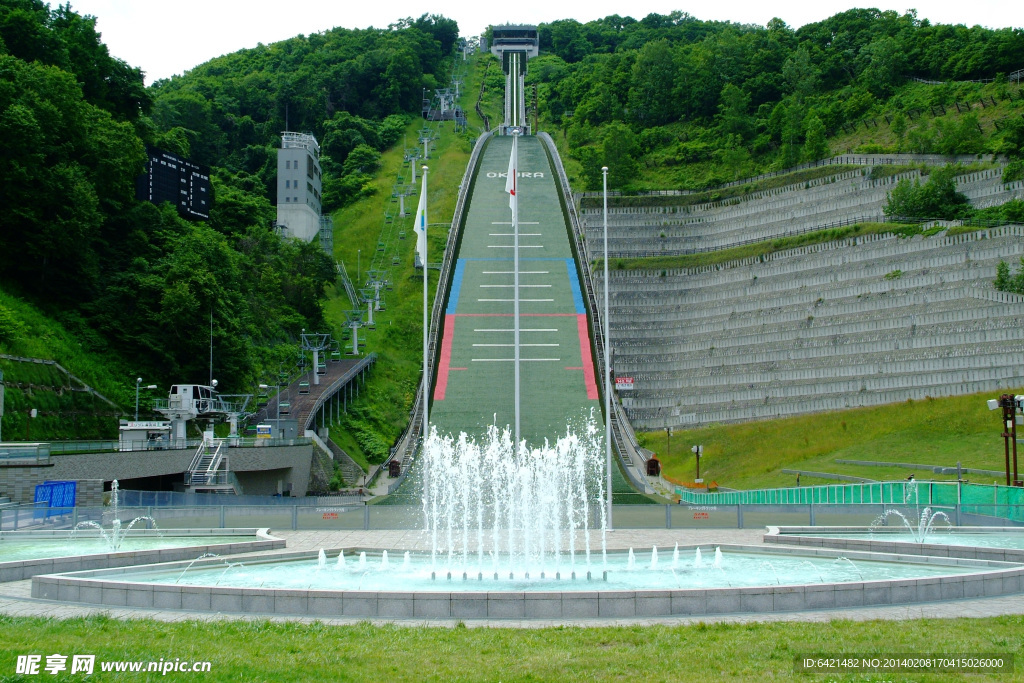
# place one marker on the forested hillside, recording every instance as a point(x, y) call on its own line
point(136, 282)
point(676, 102)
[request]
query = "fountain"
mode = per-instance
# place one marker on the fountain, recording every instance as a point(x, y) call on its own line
point(925, 519)
point(25, 553)
point(525, 507)
point(115, 534)
point(521, 533)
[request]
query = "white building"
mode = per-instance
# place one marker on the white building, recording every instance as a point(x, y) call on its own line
point(299, 186)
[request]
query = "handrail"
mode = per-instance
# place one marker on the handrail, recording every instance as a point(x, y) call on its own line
point(194, 463)
point(407, 441)
point(337, 384)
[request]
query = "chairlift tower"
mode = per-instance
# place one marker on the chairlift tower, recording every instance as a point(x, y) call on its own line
point(235, 407)
point(411, 155)
point(378, 280)
point(353, 321)
point(316, 342)
point(402, 190)
point(426, 137)
point(446, 100)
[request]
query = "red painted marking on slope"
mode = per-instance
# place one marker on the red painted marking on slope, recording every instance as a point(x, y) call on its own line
point(509, 315)
point(588, 361)
point(458, 369)
point(446, 358)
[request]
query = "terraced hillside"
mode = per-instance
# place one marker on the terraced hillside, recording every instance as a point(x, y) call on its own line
point(865, 321)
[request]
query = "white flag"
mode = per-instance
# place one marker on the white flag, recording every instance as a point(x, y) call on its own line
point(510, 180)
point(420, 224)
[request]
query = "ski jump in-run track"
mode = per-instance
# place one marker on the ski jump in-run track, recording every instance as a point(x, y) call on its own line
point(475, 381)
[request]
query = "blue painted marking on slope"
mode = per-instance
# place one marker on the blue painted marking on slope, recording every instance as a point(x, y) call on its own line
point(453, 298)
point(509, 258)
point(574, 282)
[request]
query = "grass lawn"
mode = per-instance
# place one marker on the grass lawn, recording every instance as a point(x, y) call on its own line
point(938, 431)
point(264, 651)
point(380, 413)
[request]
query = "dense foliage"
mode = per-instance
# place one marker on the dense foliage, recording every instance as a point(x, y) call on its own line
point(708, 102)
point(138, 279)
point(353, 89)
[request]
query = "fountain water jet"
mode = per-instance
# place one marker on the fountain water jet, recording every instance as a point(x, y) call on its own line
point(535, 504)
point(115, 535)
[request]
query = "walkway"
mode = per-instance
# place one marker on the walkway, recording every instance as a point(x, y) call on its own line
point(16, 600)
point(475, 376)
point(304, 407)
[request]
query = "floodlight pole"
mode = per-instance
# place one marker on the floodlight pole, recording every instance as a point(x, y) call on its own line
point(607, 357)
point(138, 381)
point(1006, 402)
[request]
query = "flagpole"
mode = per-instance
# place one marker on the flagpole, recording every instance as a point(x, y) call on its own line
point(426, 322)
point(607, 359)
point(515, 270)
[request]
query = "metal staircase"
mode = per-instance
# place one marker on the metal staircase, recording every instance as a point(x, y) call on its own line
point(204, 473)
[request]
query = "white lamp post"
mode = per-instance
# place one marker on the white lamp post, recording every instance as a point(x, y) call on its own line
point(138, 385)
point(277, 426)
point(607, 356)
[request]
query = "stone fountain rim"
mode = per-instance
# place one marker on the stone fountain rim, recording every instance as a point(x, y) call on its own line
point(259, 540)
point(101, 587)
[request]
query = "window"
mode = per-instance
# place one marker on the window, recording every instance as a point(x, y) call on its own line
point(288, 163)
point(287, 199)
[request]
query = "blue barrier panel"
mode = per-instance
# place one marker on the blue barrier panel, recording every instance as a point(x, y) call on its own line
point(54, 494)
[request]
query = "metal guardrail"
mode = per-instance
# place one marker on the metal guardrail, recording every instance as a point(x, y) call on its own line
point(330, 516)
point(65, 448)
point(407, 442)
point(840, 160)
point(336, 386)
point(966, 223)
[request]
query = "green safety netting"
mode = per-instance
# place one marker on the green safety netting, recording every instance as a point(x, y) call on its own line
point(993, 501)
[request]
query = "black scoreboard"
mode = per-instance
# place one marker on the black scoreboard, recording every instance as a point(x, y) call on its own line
point(170, 178)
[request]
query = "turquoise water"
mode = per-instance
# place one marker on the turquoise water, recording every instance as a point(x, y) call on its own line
point(937, 537)
point(42, 548)
point(373, 573)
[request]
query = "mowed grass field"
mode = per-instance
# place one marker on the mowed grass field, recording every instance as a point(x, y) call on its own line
point(282, 652)
point(939, 432)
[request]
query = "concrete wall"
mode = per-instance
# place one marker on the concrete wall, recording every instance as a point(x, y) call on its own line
point(19, 483)
point(257, 469)
point(825, 327)
point(769, 214)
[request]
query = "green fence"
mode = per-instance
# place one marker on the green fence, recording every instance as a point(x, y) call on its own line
point(980, 499)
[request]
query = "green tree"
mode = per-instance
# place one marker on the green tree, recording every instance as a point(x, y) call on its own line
point(899, 129)
point(885, 66)
point(619, 149)
point(650, 95)
point(961, 136)
point(1002, 281)
point(733, 115)
point(936, 198)
point(816, 144)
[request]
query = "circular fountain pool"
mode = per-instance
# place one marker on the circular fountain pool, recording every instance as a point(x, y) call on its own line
point(734, 568)
point(35, 547)
point(740, 579)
